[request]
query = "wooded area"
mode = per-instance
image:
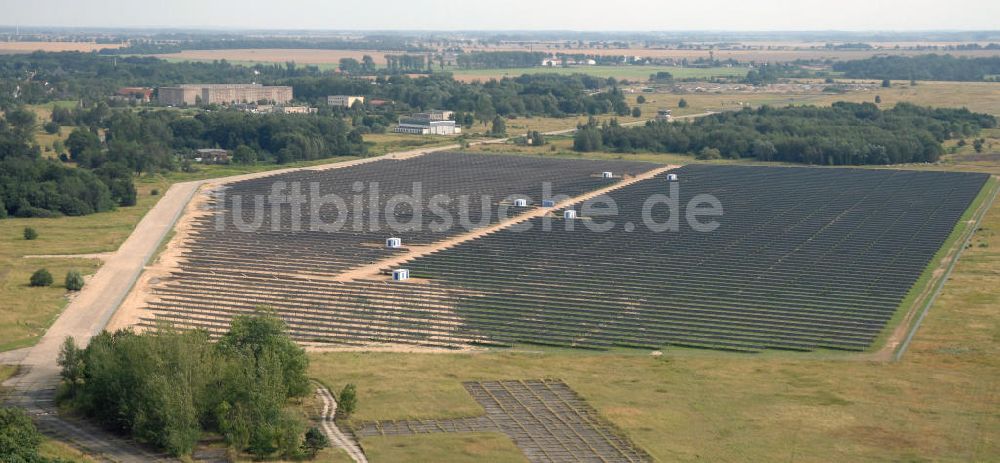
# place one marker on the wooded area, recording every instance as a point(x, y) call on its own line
point(167, 388)
point(843, 134)
point(923, 67)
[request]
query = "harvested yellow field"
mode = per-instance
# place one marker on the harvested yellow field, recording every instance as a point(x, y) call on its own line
point(277, 55)
point(777, 54)
point(28, 47)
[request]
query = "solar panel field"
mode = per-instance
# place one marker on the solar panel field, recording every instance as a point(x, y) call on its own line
point(802, 259)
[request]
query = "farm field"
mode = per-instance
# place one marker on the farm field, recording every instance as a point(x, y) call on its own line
point(324, 58)
point(977, 96)
point(28, 47)
point(782, 52)
point(328, 59)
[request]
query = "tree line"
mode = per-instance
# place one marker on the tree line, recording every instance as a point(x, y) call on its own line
point(90, 77)
point(167, 388)
point(111, 146)
point(41, 77)
point(500, 59)
point(923, 67)
point(552, 95)
point(842, 134)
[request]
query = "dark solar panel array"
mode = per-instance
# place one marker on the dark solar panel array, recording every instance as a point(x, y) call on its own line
point(281, 243)
point(803, 258)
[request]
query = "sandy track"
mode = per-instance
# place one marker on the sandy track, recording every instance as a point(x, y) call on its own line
point(337, 437)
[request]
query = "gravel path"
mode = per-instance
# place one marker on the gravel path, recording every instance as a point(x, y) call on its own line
point(337, 437)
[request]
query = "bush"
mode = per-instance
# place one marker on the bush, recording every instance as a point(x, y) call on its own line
point(640, 99)
point(30, 233)
point(347, 402)
point(19, 438)
point(74, 280)
point(499, 127)
point(154, 192)
point(707, 154)
point(41, 277)
point(682, 104)
point(314, 442)
point(51, 128)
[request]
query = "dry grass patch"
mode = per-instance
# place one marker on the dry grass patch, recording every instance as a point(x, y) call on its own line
point(451, 447)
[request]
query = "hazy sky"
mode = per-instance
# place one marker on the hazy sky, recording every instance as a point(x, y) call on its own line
point(633, 15)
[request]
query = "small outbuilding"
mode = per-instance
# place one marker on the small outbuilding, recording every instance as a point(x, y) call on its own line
point(520, 202)
point(569, 214)
point(393, 243)
point(401, 274)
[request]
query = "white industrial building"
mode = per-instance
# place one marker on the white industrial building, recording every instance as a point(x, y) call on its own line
point(429, 123)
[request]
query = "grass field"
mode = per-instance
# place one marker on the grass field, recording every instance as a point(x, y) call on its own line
point(382, 143)
point(45, 140)
point(977, 96)
point(450, 447)
point(25, 312)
